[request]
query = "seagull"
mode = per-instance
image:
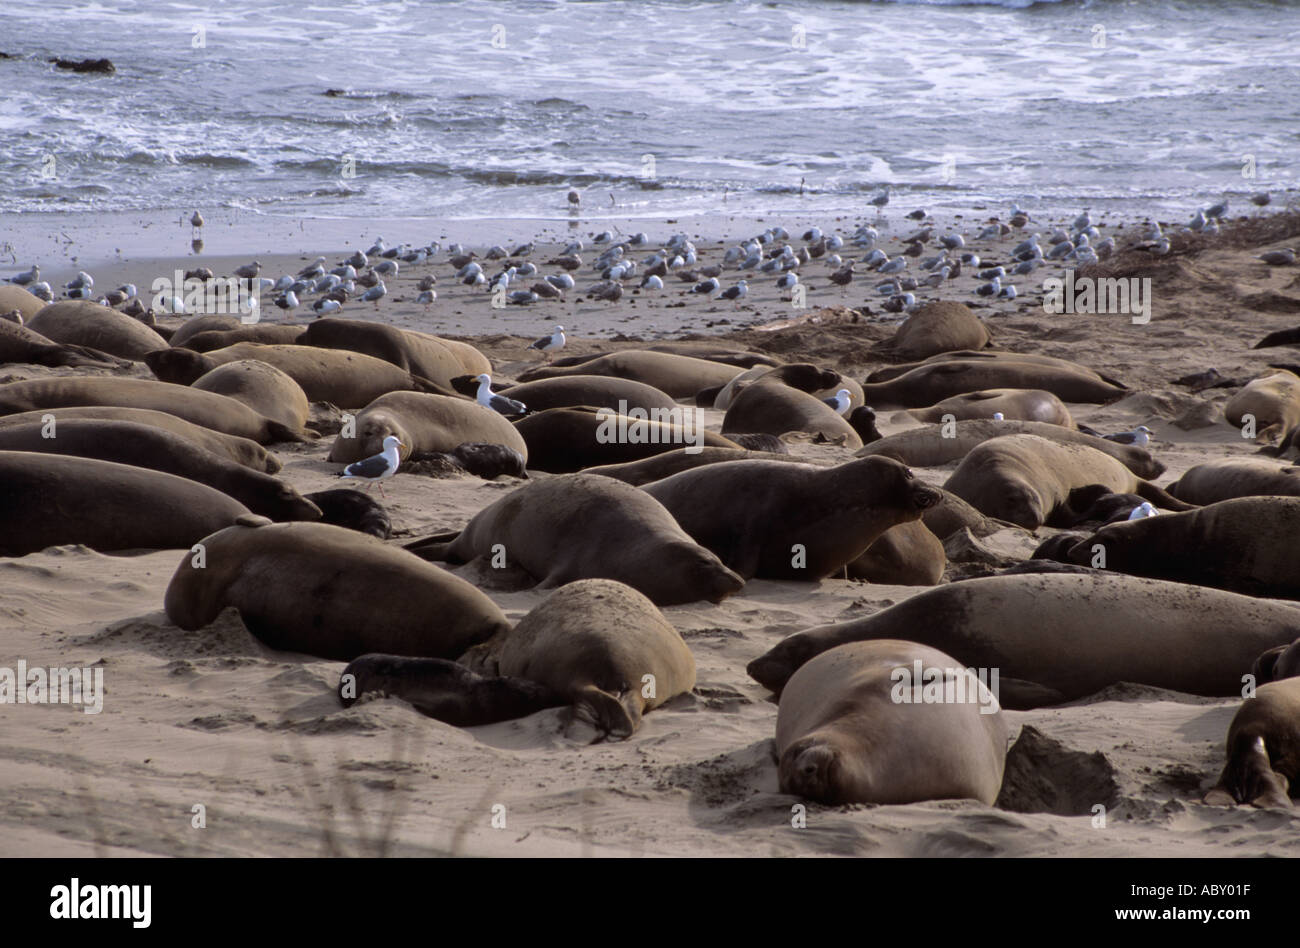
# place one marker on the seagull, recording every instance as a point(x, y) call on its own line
point(575, 198)
point(998, 416)
point(82, 281)
point(31, 276)
point(1082, 222)
point(377, 467)
point(652, 282)
point(787, 281)
point(881, 199)
point(991, 288)
point(1143, 510)
point(377, 247)
point(325, 306)
point(311, 272)
point(427, 297)
point(552, 343)
point(248, 271)
point(197, 220)
point(386, 267)
point(375, 294)
point(711, 285)
point(1218, 211)
point(497, 403)
point(42, 291)
point(561, 281)
point(841, 401)
point(1139, 436)
point(1279, 258)
point(736, 292)
point(842, 278)
point(287, 301)
point(357, 260)
point(896, 265)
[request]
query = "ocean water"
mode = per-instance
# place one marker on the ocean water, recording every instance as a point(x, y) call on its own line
point(479, 109)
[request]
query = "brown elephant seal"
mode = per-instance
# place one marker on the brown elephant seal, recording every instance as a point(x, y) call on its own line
point(823, 383)
point(1277, 663)
point(678, 375)
point(659, 466)
point(737, 357)
point(780, 401)
point(905, 555)
point(1247, 545)
point(845, 735)
point(1013, 404)
point(775, 520)
point(83, 323)
point(1056, 637)
point(1228, 478)
point(940, 326)
point(1028, 480)
point(20, 345)
point(346, 379)
point(603, 646)
point(144, 446)
point(929, 383)
point(1272, 403)
point(424, 423)
point(488, 461)
point(1263, 749)
point(984, 357)
point(581, 526)
point(444, 690)
point(261, 387)
point(330, 592)
point(206, 409)
point(952, 513)
point(596, 391)
point(16, 298)
point(207, 323)
point(347, 507)
point(931, 447)
point(49, 500)
point(240, 450)
point(264, 333)
point(417, 353)
point(564, 440)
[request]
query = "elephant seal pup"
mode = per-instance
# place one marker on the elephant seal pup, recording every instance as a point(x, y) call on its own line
point(418, 353)
point(678, 375)
point(927, 384)
point(905, 555)
point(425, 424)
point(349, 380)
point(444, 690)
point(1013, 403)
point(844, 734)
point(330, 592)
point(581, 526)
point(564, 440)
point(488, 461)
point(1272, 401)
point(659, 466)
point(776, 520)
point(1028, 480)
point(940, 326)
point(1246, 545)
point(50, 499)
point(1228, 478)
point(600, 644)
point(1263, 748)
point(265, 333)
point(83, 323)
point(16, 298)
point(1060, 636)
point(775, 404)
point(1277, 663)
point(20, 345)
point(261, 387)
point(143, 446)
point(929, 447)
point(346, 507)
point(205, 409)
point(240, 450)
point(597, 391)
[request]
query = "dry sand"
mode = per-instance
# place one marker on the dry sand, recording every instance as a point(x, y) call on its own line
point(257, 737)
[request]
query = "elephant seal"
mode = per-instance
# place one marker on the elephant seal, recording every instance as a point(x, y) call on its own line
point(261, 387)
point(806, 377)
point(596, 391)
point(743, 359)
point(240, 450)
point(1056, 637)
point(930, 447)
point(20, 345)
point(928, 383)
point(581, 526)
point(1263, 749)
point(445, 690)
point(208, 323)
point(264, 333)
point(488, 461)
point(781, 401)
point(1277, 663)
point(418, 353)
point(1228, 478)
point(564, 440)
point(83, 323)
point(1014, 404)
point(345, 507)
point(603, 646)
point(206, 409)
point(952, 513)
point(844, 735)
point(50, 499)
point(424, 423)
point(775, 520)
point(1246, 545)
point(905, 555)
point(984, 357)
point(678, 375)
point(1272, 401)
point(16, 298)
point(1028, 480)
point(330, 592)
point(147, 447)
point(659, 466)
point(940, 326)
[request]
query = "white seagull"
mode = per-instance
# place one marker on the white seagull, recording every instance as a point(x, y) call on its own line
point(497, 403)
point(552, 343)
point(377, 467)
point(841, 401)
